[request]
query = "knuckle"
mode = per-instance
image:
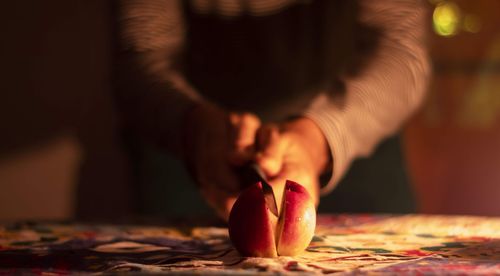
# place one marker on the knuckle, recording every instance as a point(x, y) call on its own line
point(234, 118)
point(249, 118)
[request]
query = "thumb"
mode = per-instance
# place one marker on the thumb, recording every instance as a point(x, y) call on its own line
point(242, 137)
point(271, 148)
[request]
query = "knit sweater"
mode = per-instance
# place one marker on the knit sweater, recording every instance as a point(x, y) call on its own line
point(358, 69)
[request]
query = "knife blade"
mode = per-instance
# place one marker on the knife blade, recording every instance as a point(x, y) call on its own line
point(256, 173)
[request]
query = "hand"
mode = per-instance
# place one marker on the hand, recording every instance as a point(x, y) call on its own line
point(215, 142)
point(296, 151)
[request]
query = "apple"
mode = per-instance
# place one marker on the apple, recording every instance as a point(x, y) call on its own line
point(261, 227)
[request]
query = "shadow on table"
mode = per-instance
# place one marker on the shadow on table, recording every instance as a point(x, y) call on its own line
point(485, 250)
point(148, 254)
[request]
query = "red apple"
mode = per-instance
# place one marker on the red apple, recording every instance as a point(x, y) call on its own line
point(258, 229)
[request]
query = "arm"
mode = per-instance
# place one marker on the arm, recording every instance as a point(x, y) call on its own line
point(152, 92)
point(160, 105)
point(385, 93)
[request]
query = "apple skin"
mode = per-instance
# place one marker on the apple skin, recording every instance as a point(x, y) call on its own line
point(256, 232)
point(251, 224)
point(297, 220)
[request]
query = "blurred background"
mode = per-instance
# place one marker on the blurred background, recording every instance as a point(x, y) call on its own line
point(64, 155)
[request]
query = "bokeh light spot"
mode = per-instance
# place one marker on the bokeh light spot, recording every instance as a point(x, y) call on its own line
point(446, 18)
point(472, 23)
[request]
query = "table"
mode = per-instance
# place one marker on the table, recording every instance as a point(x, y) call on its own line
point(361, 244)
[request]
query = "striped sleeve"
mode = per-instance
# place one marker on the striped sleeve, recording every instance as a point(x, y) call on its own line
point(390, 87)
point(152, 94)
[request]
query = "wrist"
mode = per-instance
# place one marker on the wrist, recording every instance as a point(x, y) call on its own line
point(312, 139)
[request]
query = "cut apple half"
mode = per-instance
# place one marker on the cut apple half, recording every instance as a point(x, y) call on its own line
point(259, 228)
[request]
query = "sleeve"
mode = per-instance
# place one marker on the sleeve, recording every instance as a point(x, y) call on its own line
point(389, 88)
point(151, 92)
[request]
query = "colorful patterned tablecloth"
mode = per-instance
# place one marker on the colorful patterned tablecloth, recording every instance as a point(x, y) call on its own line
point(361, 244)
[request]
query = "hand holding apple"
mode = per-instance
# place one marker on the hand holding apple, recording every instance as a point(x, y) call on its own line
point(295, 150)
point(215, 141)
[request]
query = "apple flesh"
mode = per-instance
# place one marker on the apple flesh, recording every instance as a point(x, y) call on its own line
point(257, 229)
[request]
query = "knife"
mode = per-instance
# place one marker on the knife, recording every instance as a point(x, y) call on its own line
point(253, 173)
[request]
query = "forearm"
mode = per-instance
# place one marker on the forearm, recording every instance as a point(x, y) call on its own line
point(151, 91)
point(385, 93)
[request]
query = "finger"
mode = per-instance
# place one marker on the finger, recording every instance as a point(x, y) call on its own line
point(224, 178)
point(226, 207)
point(243, 131)
point(219, 199)
point(215, 171)
point(271, 150)
point(220, 202)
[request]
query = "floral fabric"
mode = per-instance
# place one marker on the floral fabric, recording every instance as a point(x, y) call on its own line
point(379, 244)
